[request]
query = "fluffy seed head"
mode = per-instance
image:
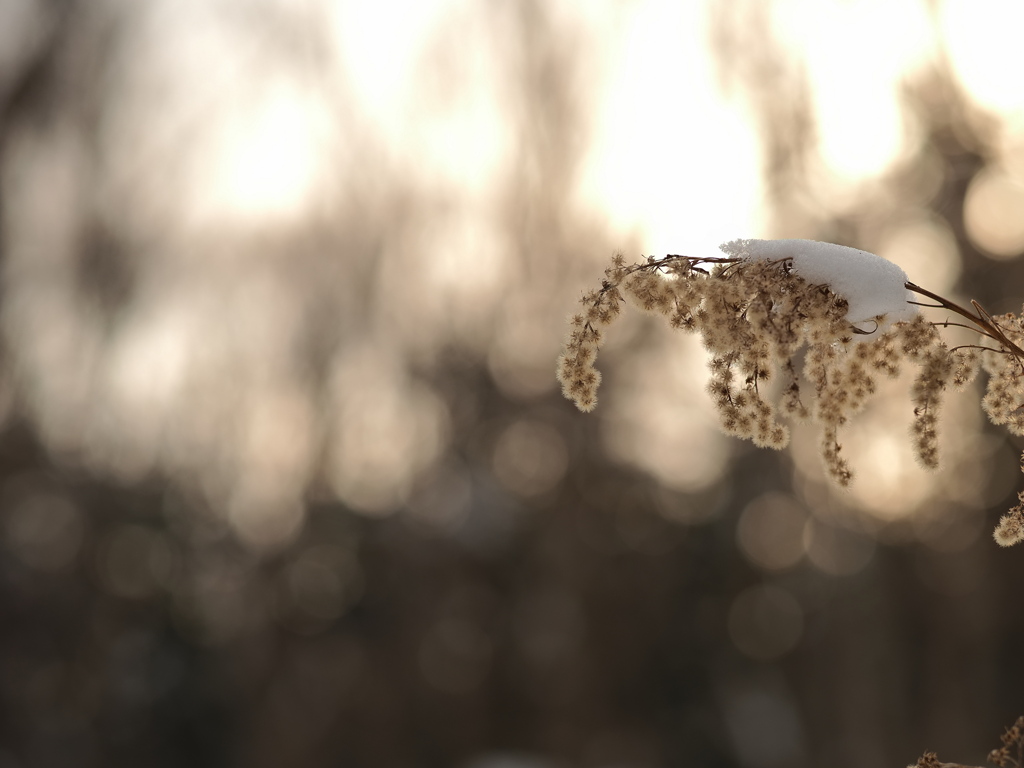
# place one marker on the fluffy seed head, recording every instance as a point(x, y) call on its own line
point(756, 315)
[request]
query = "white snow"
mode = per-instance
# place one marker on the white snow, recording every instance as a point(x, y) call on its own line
point(871, 285)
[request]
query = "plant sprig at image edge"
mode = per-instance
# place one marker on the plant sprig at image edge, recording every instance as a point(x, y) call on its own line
point(852, 316)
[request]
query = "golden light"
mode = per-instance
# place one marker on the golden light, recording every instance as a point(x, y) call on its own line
point(427, 81)
point(385, 431)
point(994, 213)
point(659, 418)
point(926, 248)
point(672, 160)
point(861, 126)
point(890, 484)
point(267, 155)
point(984, 40)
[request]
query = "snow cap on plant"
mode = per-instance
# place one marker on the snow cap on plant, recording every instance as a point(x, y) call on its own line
point(873, 287)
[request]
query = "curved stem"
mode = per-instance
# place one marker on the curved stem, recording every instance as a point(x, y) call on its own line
point(981, 318)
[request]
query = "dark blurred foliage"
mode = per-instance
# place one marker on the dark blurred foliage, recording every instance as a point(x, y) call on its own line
point(592, 619)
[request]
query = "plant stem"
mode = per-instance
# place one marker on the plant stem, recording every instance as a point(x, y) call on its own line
point(981, 318)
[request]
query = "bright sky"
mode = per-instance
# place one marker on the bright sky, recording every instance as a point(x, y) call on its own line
point(671, 160)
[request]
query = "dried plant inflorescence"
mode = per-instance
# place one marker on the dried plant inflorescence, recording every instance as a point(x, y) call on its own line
point(1009, 755)
point(849, 313)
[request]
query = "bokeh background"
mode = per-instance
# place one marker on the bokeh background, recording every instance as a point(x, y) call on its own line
point(285, 477)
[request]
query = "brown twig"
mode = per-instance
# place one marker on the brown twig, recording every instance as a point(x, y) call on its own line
point(980, 317)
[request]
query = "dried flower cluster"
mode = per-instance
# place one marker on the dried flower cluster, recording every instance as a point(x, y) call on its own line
point(756, 317)
point(1004, 405)
point(927, 760)
point(1010, 755)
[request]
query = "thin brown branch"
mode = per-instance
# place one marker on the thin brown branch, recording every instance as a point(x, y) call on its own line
point(981, 318)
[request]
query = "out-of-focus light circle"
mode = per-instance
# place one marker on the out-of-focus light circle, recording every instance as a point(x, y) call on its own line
point(770, 531)
point(994, 214)
point(530, 458)
point(889, 483)
point(659, 417)
point(765, 622)
point(386, 431)
point(837, 551)
point(926, 250)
